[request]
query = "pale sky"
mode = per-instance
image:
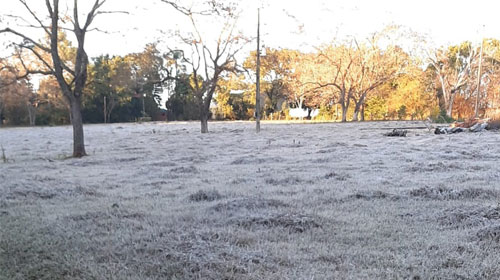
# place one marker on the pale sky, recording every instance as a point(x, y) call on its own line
point(443, 21)
point(294, 23)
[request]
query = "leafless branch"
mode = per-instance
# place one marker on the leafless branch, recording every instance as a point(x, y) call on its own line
point(33, 14)
point(26, 38)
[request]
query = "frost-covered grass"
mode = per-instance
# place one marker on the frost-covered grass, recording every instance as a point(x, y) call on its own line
point(298, 201)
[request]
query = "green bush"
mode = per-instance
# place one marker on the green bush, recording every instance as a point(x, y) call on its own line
point(441, 117)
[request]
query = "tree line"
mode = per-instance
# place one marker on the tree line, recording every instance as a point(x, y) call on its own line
point(375, 78)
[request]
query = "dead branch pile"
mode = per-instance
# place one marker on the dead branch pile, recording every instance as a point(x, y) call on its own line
point(473, 125)
point(397, 133)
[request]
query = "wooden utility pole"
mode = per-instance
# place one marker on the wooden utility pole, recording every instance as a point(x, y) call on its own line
point(478, 95)
point(257, 91)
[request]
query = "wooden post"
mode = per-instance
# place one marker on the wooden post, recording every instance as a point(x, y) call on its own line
point(257, 91)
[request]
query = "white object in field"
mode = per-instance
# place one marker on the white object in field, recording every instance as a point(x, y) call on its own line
point(303, 113)
point(299, 113)
point(478, 127)
point(236, 92)
point(314, 113)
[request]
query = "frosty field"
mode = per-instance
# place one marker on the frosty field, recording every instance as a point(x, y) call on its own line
point(297, 201)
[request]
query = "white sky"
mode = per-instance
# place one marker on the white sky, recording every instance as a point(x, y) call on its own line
point(443, 21)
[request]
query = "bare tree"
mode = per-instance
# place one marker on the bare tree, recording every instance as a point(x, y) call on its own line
point(453, 68)
point(340, 62)
point(4, 71)
point(15, 91)
point(375, 67)
point(72, 76)
point(209, 60)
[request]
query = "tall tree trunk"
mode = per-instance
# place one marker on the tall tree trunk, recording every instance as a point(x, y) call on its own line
point(449, 109)
point(357, 109)
point(355, 115)
point(204, 122)
point(363, 112)
point(1, 116)
point(345, 101)
point(109, 110)
point(344, 111)
point(77, 122)
point(204, 107)
point(441, 101)
point(32, 114)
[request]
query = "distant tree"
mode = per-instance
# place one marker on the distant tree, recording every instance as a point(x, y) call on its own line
point(277, 70)
point(54, 110)
point(71, 77)
point(408, 91)
point(110, 86)
point(453, 69)
point(18, 100)
point(209, 59)
point(374, 67)
point(148, 74)
point(5, 80)
point(305, 71)
point(376, 108)
point(339, 62)
point(490, 91)
point(182, 105)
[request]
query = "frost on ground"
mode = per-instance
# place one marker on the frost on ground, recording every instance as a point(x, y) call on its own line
point(297, 201)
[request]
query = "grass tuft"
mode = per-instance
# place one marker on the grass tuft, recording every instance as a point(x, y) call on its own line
point(293, 222)
point(469, 217)
point(445, 193)
point(4, 157)
point(203, 195)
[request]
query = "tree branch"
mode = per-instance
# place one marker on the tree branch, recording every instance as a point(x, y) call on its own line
point(93, 13)
point(35, 16)
point(26, 38)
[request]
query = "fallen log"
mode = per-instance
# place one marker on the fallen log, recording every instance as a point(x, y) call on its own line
point(448, 130)
point(392, 128)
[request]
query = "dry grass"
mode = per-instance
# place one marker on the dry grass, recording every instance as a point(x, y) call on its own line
point(203, 195)
point(469, 217)
point(4, 157)
point(442, 192)
point(297, 201)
